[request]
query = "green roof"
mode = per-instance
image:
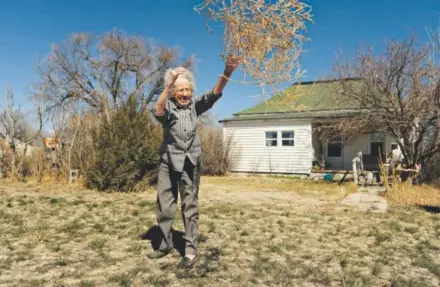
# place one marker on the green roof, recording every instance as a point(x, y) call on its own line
point(304, 100)
point(304, 96)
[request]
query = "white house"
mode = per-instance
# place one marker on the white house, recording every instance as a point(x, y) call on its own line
point(279, 135)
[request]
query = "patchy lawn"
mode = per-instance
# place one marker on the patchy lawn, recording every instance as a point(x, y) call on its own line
point(253, 232)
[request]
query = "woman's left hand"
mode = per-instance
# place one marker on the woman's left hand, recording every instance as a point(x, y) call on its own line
point(232, 63)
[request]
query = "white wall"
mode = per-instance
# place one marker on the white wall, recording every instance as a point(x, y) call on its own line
point(252, 155)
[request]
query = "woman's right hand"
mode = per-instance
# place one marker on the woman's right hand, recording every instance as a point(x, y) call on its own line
point(174, 74)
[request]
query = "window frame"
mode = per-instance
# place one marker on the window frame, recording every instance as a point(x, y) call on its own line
point(266, 139)
point(336, 140)
point(288, 138)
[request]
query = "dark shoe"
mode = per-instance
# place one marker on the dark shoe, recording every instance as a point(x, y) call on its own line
point(187, 263)
point(158, 254)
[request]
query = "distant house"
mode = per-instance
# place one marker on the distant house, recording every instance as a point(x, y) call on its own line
point(279, 135)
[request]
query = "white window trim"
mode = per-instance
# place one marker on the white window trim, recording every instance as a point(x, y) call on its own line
point(292, 139)
point(266, 139)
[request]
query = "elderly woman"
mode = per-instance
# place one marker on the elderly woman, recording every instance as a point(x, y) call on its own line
point(179, 170)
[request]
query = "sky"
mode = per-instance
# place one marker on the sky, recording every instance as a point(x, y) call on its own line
point(29, 28)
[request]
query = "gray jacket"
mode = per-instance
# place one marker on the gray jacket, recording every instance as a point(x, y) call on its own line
point(180, 136)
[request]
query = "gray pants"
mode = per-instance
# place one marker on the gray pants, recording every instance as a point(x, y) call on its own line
point(170, 184)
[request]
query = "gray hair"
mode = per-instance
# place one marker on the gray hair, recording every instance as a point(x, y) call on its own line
point(187, 75)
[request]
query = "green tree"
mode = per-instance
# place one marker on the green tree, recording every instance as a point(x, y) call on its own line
point(124, 156)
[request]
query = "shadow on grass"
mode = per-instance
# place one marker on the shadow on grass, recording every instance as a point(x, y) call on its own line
point(430, 208)
point(154, 234)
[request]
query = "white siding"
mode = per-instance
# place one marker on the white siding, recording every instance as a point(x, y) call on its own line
point(252, 155)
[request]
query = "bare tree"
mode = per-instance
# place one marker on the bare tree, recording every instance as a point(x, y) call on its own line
point(16, 130)
point(397, 92)
point(66, 124)
point(101, 72)
point(58, 121)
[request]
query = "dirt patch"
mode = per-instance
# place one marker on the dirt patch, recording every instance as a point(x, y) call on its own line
point(365, 199)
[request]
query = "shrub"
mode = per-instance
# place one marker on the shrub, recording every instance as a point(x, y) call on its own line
point(23, 168)
point(124, 155)
point(217, 157)
point(431, 171)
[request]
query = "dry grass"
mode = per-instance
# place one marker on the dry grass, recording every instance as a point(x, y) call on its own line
point(405, 193)
point(285, 184)
point(66, 236)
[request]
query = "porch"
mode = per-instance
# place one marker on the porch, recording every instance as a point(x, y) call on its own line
point(337, 153)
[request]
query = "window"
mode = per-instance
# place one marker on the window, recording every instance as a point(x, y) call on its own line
point(334, 147)
point(287, 138)
point(271, 139)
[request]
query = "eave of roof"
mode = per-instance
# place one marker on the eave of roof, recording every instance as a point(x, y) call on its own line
point(323, 114)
